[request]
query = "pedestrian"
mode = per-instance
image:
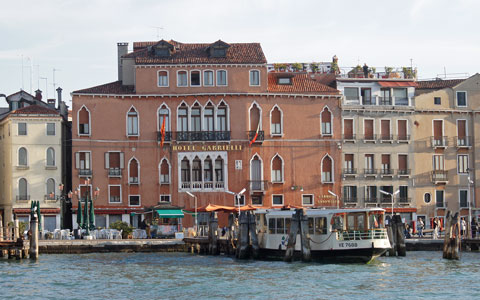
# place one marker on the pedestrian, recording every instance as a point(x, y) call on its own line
point(435, 228)
point(407, 231)
point(463, 227)
point(474, 227)
point(420, 227)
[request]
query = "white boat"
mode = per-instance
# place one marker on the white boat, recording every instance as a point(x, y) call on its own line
point(343, 235)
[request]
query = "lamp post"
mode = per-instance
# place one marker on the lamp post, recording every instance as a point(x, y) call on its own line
point(87, 222)
point(391, 195)
point(237, 197)
point(64, 199)
point(470, 181)
point(196, 220)
point(336, 198)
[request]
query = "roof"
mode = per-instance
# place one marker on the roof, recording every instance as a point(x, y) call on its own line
point(438, 83)
point(115, 87)
point(34, 110)
point(329, 79)
point(301, 83)
point(237, 53)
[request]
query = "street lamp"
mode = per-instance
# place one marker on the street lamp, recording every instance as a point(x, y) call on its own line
point(237, 197)
point(391, 195)
point(196, 220)
point(336, 197)
point(470, 181)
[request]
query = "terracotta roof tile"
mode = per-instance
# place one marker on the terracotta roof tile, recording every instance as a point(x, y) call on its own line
point(34, 110)
point(115, 87)
point(237, 53)
point(438, 84)
point(301, 83)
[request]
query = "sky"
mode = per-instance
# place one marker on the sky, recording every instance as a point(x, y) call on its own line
point(79, 38)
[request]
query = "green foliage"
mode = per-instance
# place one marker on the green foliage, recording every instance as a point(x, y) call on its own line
point(126, 229)
point(278, 67)
point(314, 67)
point(388, 70)
point(22, 226)
point(297, 67)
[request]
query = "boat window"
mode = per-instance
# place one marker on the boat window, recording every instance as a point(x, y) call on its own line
point(271, 225)
point(321, 225)
point(361, 222)
point(375, 221)
point(310, 225)
point(356, 221)
point(288, 221)
point(350, 222)
point(280, 225)
point(337, 223)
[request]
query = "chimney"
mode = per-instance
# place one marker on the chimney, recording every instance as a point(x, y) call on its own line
point(59, 96)
point(38, 95)
point(51, 103)
point(122, 50)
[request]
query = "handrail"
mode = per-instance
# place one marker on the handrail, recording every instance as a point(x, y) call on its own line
point(355, 235)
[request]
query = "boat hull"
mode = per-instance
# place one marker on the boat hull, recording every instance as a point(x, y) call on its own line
point(357, 255)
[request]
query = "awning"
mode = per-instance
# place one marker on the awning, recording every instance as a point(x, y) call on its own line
point(396, 83)
point(170, 213)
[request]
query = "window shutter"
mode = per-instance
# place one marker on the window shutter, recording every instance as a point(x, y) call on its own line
point(107, 160)
point(122, 164)
point(77, 160)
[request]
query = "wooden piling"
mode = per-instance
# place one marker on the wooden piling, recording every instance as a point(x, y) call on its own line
point(304, 236)
point(34, 238)
point(399, 231)
point(451, 242)
point(391, 250)
point(292, 237)
point(1, 229)
point(252, 228)
point(212, 234)
point(242, 249)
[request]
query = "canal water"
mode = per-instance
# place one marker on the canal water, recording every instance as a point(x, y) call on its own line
point(183, 276)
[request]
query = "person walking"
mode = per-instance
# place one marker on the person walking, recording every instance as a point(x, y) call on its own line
point(420, 227)
point(435, 228)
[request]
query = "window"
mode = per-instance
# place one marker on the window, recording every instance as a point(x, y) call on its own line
point(349, 164)
point(50, 157)
point(400, 96)
point(196, 118)
point(133, 171)
point(284, 80)
point(182, 78)
point(463, 198)
point(427, 197)
point(348, 129)
point(114, 193)
point(164, 172)
point(219, 169)
point(384, 197)
point(134, 200)
point(114, 163)
point(132, 122)
point(82, 161)
point(23, 189)
point(462, 164)
point(22, 128)
point(222, 117)
point(197, 170)
point(402, 130)
point(50, 128)
point(276, 121)
point(208, 117)
point(366, 94)
point(221, 78)
point(369, 164)
point(83, 121)
point(350, 194)
point(195, 78)
point(185, 170)
point(320, 225)
point(402, 164)
point(351, 93)
point(22, 157)
point(254, 78)
point(163, 78)
point(326, 119)
point(307, 200)
point(277, 200)
point(385, 130)
point(386, 164)
point(50, 189)
point(164, 198)
point(438, 162)
point(462, 99)
point(239, 200)
point(385, 97)
point(183, 118)
point(371, 194)
point(437, 100)
point(368, 130)
point(403, 194)
point(257, 200)
point(208, 78)
point(256, 174)
point(164, 112)
point(208, 170)
point(277, 169)
point(327, 169)
point(439, 197)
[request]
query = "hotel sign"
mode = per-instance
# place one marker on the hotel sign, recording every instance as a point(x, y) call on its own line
point(195, 148)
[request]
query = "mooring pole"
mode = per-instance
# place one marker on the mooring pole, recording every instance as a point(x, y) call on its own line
point(399, 229)
point(252, 228)
point(34, 238)
point(292, 237)
point(304, 236)
point(212, 234)
point(242, 251)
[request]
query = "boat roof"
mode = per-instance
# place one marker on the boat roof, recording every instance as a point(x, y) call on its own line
point(318, 211)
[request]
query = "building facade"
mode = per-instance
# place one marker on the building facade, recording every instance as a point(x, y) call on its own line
point(207, 119)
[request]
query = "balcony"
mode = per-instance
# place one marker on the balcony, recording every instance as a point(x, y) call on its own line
point(167, 139)
point(403, 172)
point(114, 199)
point(203, 136)
point(439, 176)
point(464, 142)
point(349, 172)
point(133, 180)
point(403, 138)
point(202, 185)
point(260, 138)
point(350, 200)
point(84, 172)
point(385, 101)
point(114, 172)
point(369, 138)
point(440, 204)
point(386, 199)
point(378, 101)
point(349, 138)
point(23, 198)
point(370, 172)
point(370, 200)
point(404, 200)
point(49, 198)
point(386, 172)
point(439, 142)
point(386, 138)
point(258, 185)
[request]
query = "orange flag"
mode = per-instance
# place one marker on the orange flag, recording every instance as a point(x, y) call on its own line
point(162, 131)
point(256, 135)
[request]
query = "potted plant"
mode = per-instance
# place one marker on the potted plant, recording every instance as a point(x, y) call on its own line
point(124, 227)
point(297, 67)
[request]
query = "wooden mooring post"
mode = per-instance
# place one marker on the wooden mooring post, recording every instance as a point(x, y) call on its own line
point(396, 236)
point(212, 234)
point(242, 241)
point(252, 229)
point(451, 243)
point(298, 225)
point(33, 252)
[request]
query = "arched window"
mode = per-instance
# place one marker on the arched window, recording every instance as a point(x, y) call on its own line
point(132, 122)
point(182, 118)
point(22, 157)
point(327, 169)
point(165, 171)
point(50, 188)
point(84, 121)
point(164, 112)
point(208, 170)
point(197, 170)
point(219, 176)
point(276, 127)
point(208, 117)
point(185, 173)
point(196, 118)
point(182, 79)
point(222, 117)
point(277, 169)
point(256, 174)
point(326, 119)
point(50, 157)
point(255, 117)
point(23, 189)
point(133, 171)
